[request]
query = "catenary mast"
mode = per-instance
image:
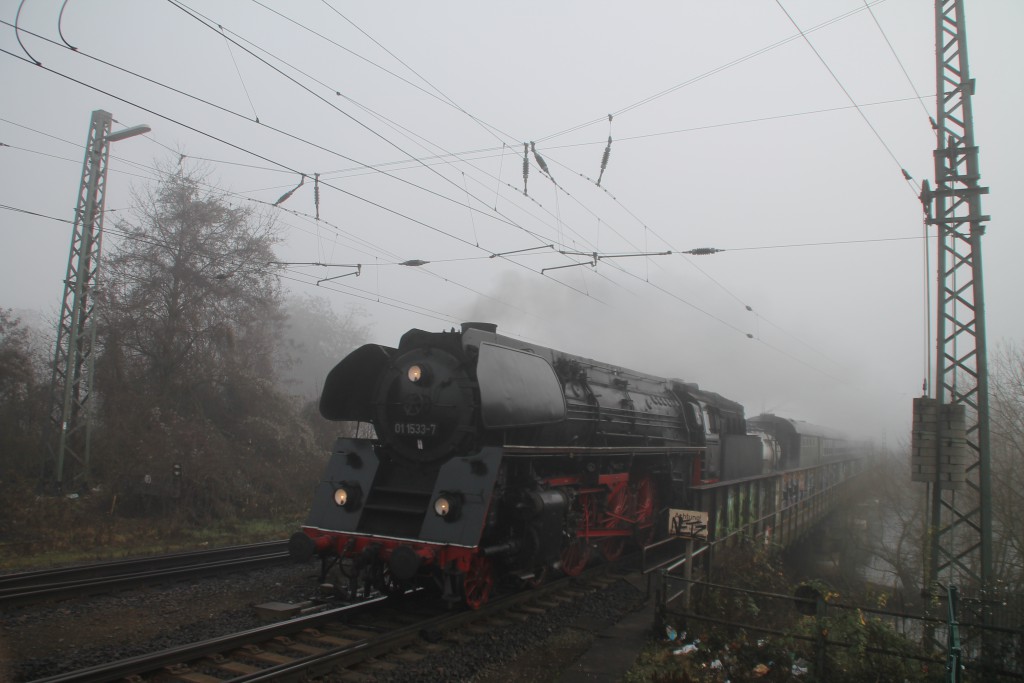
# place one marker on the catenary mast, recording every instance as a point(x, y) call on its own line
point(960, 517)
point(67, 451)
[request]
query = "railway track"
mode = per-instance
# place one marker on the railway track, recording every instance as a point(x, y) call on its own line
point(372, 636)
point(25, 588)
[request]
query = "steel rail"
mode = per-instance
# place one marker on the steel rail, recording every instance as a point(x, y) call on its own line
point(141, 664)
point(300, 665)
point(31, 587)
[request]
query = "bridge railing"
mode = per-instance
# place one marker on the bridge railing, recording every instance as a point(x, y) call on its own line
point(777, 508)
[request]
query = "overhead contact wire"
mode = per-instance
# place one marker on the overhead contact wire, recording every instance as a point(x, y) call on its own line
point(196, 15)
point(208, 24)
point(271, 161)
point(238, 71)
point(483, 124)
point(710, 73)
point(892, 49)
point(242, 116)
point(846, 92)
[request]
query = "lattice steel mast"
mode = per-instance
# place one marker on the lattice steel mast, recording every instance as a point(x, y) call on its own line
point(73, 359)
point(960, 538)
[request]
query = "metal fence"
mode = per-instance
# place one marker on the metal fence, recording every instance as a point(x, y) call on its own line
point(827, 640)
point(982, 632)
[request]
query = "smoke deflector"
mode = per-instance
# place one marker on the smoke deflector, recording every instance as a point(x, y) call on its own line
point(517, 388)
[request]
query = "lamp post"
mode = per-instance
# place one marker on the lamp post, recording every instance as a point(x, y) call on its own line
point(73, 359)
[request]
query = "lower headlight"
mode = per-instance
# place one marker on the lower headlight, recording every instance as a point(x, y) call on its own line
point(348, 496)
point(442, 506)
point(448, 505)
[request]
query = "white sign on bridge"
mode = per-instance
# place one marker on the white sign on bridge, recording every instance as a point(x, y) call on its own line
point(688, 523)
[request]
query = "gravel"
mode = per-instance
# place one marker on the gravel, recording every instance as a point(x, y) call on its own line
point(42, 640)
point(534, 650)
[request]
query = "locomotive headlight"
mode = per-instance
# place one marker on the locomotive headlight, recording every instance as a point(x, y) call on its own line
point(418, 374)
point(348, 496)
point(442, 506)
point(448, 506)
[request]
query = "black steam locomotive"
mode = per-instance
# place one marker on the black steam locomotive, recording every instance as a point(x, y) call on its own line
point(495, 458)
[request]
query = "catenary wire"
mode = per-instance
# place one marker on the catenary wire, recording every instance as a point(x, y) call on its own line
point(491, 152)
point(392, 254)
point(440, 96)
point(846, 92)
point(414, 159)
point(267, 159)
point(867, 6)
point(202, 19)
point(706, 74)
point(297, 138)
point(404, 305)
point(892, 49)
point(272, 128)
point(482, 258)
point(438, 276)
point(708, 313)
point(295, 277)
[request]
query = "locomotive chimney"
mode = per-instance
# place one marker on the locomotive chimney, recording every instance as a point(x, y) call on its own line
point(483, 327)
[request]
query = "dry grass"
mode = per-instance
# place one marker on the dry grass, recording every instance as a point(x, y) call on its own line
point(47, 531)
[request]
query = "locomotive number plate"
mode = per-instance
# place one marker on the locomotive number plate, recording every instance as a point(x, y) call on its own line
point(415, 428)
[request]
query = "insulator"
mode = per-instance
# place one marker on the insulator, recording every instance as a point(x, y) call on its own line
point(290, 192)
point(704, 251)
point(604, 158)
point(316, 194)
point(526, 165)
point(540, 162)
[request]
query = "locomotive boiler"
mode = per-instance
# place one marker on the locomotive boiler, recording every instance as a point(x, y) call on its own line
point(498, 459)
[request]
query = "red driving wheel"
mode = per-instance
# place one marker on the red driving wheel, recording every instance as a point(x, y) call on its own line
point(477, 584)
point(615, 517)
point(646, 504)
point(575, 556)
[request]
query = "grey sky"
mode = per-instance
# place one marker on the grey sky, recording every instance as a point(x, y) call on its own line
point(751, 143)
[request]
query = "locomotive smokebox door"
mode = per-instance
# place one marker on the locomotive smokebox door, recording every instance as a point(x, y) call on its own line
point(517, 388)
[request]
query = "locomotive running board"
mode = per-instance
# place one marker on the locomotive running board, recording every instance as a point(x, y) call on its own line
point(514, 450)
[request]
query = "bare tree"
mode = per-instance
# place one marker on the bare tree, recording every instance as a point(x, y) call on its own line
point(21, 412)
point(896, 529)
point(316, 337)
point(897, 546)
point(187, 381)
point(192, 305)
point(1006, 384)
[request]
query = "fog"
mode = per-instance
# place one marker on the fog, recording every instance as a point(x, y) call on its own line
point(731, 130)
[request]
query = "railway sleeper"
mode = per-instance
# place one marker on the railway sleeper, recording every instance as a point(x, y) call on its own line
point(183, 672)
point(231, 666)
